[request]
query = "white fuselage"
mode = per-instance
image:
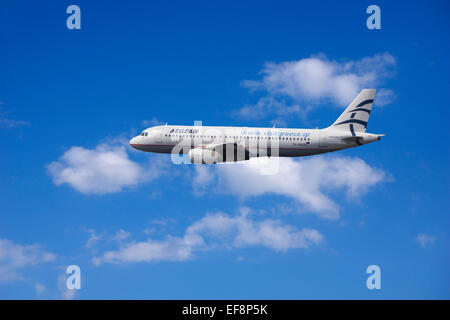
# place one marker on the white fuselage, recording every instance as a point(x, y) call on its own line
point(225, 144)
point(256, 141)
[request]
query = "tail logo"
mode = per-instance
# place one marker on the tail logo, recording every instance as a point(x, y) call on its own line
point(361, 122)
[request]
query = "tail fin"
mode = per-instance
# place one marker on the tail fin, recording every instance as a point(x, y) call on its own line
point(356, 116)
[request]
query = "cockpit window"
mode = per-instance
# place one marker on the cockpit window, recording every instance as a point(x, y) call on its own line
point(144, 134)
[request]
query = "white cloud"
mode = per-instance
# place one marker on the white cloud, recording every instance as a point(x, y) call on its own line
point(14, 257)
point(425, 240)
point(100, 239)
point(212, 231)
point(8, 123)
point(94, 238)
point(152, 122)
point(384, 97)
point(244, 231)
point(105, 169)
point(315, 80)
point(203, 176)
point(39, 288)
point(309, 181)
point(121, 235)
point(66, 294)
point(171, 249)
point(268, 105)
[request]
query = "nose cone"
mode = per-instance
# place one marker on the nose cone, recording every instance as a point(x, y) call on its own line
point(133, 142)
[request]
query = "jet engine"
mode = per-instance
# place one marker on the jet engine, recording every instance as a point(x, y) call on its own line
point(204, 156)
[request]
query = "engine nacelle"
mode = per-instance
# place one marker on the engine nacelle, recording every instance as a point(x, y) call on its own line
point(204, 156)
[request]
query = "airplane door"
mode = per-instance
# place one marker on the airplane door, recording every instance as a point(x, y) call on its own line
point(159, 137)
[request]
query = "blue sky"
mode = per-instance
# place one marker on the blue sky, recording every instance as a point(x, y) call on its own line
point(140, 227)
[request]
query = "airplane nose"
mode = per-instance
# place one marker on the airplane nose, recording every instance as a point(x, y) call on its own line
point(133, 142)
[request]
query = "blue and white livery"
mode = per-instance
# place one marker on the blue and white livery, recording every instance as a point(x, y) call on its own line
point(206, 144)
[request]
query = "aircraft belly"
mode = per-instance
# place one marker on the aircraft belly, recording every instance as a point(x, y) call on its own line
point(156, 148)
point(282, 152)
point(291, 152)
point(288, 152)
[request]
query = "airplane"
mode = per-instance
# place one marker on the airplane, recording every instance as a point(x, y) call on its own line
point(210, 145)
